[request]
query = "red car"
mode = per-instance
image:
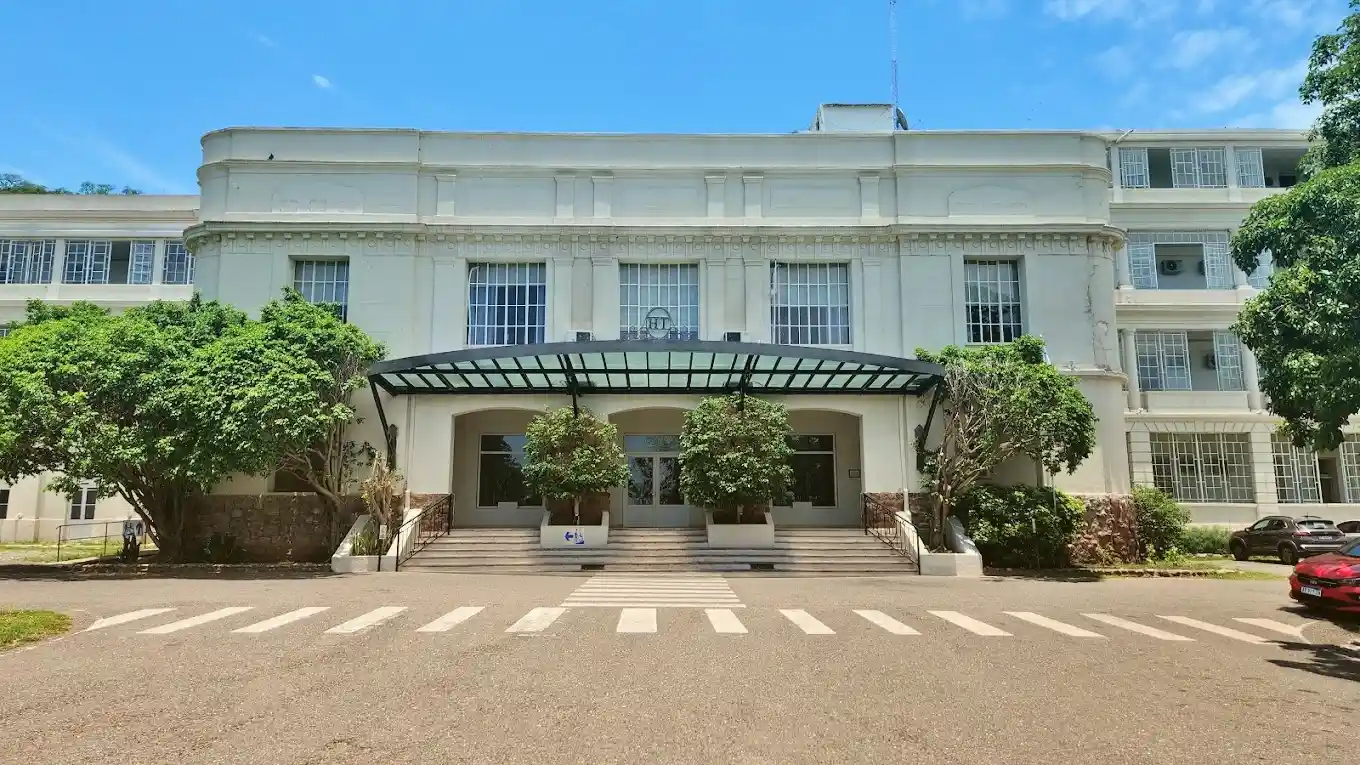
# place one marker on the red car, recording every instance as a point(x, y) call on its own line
point(1331, 580)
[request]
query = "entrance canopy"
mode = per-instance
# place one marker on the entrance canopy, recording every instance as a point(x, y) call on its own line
point(654, 366)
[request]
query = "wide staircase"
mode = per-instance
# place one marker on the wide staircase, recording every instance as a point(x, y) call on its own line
point(797, 551)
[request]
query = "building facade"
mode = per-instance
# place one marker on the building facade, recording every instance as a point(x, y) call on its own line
point(507, 273)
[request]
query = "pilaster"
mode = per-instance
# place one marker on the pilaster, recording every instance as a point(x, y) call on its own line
point(1129, 360)
point(605, 293)
point(716, 188)
point(1263, 473)
point(753, 199)
point(757, 269)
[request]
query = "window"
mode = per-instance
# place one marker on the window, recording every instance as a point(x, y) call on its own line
point(810, 303)
point(27, 261)
point(4, 504)
point(88, 261)
point(82, 503)
point(1265, 266)
point(1227, 360)
point(992, 300)
point(1199, 168)
point(1182, 260)
point(1203, 467)
point(659, 300)
point(5, 329)
point(1163, 360)
point(1133, 169)
point(1250, 169)
point(179, 264)
point(814, 470)
point(1296, 472)
point(507, 303)
point(324, 282)
point(500, 472)
point(1349, 452)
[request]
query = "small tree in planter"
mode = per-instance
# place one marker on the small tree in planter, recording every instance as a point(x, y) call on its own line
point(734, 456)
point(570, 455)
point(383, 492)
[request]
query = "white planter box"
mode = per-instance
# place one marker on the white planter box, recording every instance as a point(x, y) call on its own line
point(740, 534)
point(342, 562)
point(966, 565)
point(573, 536)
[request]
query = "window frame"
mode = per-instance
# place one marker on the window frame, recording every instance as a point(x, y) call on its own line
point(310, 286)
point(835, 468)
point(39, 260)
point(686, 320)
point(1141, 248)
point(482, 452)
point(1298, 479)
point(789, 332)
point(1133, 164)
point(1156, 347)
point(1203, 159)
point(83, 503)
point(1252, 173)
point(1003, 330)
point(4, 502)
point(481, 334)
point(1179, 467)
point(177, 255)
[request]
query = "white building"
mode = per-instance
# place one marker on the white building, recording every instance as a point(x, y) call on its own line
point(830, 254)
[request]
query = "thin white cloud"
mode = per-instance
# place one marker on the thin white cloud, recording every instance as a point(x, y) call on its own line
point(264, 40)
point(1116, 62)
point(1190, 48)
point(132, 169)
point(983, 9)
point(322, 82)
point(1311, 15)
point(1106, 10)
point(1290, 114)
point(1231, 91)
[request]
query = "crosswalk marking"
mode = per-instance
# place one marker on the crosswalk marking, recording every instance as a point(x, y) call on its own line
point(637, 620)
point(537, 620)
point(653, 591)
point(1274, 626)
point(969, 623)
point(1141, 629)
point(452, 619)
point(1053, 624)
point(282, 619)
point(130, 616)
point(724, 621)
point(370, 619)
point(806, 621)
point(1214, 628)
point(194, 621)
point(887, 622)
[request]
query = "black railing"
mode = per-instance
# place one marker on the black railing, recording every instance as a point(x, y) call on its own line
point(72, 535)
point(882, 520)
point(431, 523)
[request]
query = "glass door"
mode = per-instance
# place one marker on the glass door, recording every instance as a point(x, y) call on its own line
point(654, 482)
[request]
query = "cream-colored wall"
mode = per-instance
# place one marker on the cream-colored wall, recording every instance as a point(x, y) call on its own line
point(38, 515)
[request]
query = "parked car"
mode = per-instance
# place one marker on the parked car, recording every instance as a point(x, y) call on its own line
point(1289, 538)
point(1330, 580)
point(1350, 528)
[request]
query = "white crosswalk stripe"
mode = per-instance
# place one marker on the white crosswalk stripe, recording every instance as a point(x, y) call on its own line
point(725, 622)
point(1053, 624)
point(452, 619)
point(887, 622)
point(371, 619)
point(537, 620)
point(654, 591)
point(1141, 629)
point(1270, 624)
point(1226, 632)
point(636, 620)
point(282, 619)
point(130, 616)
point(969, 623)
point(194, 621)
point(806, 621)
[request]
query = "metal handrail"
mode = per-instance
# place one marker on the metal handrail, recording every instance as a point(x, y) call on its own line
point(887, 527)
point(61, 534)
point(432, 522)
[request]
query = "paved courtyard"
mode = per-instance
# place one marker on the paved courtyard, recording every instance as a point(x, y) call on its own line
point(684, 668)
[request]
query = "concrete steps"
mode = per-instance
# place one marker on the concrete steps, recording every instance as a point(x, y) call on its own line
point(796, 551)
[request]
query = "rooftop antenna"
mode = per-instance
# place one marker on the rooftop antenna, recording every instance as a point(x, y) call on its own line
point(892, 34)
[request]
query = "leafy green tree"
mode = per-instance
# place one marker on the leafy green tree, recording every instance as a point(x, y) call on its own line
point(1303, 327)
point(570, 455)
point(734, 454)
point(1000, 402)
point(16, 184)
point(1161, 521)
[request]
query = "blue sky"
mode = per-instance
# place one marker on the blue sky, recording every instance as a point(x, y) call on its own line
point(120, 91)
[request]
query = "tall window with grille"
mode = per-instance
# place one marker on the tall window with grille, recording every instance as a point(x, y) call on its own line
point(1133, 168)
point(324, 282)
point(87, 261)
point(1265, 266)
point(1203, 467)
point(179, 264)
point(1250, 169)
point(1199, 168)
point(1163, 360)
point(1349, 457)
point(1227, 360)
point(507, 303)
point(991, 300)
point(1144, 264)
point(810, 303)
point(27, 261)
point(659, 300)
point(1296, 472)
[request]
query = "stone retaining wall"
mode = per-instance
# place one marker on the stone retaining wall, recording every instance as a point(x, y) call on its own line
point(1110, 532)
point(270, 528)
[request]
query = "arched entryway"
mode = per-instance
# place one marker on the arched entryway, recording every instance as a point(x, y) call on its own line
point(650, 437)
point(488, 482)
point(827, 470)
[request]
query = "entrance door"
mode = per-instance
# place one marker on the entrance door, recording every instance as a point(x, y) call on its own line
point(654, 482)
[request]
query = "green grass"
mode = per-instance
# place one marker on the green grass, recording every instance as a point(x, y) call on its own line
point(46, 552)
point(20, 627)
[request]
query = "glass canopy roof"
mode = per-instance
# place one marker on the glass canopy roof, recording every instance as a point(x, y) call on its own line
point(654, 366)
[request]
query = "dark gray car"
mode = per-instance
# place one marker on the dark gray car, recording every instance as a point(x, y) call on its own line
point(1287, 537)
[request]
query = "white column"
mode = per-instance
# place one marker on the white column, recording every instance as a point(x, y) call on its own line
point(1230, 169)
point(713, 295)
point(158, 263)
point(1116, 178)
point(863, 300)
point(566, 196)
point(1263, 473)
point(881, 445)
point(605, 295)
point(559, 297)
point(868, 198)
point(753, 200)
point(1130, 362)
point(1140, 457)
point(603, 188)
point(448, 315)
point(757, 296)
point(445, 189)
point(58, 262)
point(1251, 378)
point(1121, 267)
point(716, 186)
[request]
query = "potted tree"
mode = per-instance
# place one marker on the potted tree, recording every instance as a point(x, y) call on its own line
point(369, 538)
point(734, 459)
point(572, 459)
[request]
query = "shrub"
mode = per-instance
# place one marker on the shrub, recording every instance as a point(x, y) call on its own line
point(734, 455)
point(1022, 526)
point(1161, 521)
point(570, 454)
point(1205, 540)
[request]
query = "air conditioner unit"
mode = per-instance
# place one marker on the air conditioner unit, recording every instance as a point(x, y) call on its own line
point(1169, 267)
point(732, 337)
point(579, 336)
point(1210, 361)
point(1199, 266)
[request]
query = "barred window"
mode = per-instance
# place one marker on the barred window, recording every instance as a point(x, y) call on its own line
point(1133, 168)
point(1265, 266)
point(141, 262)
point(507, 303)
point(27, 261)
point(810, 303)
point(1296, 472)
point(992, 300)
point(179, 264)
point(87, 261)
point(324, 282)
point(1349, 452)
point(1250, 169)
point(1203, 467)
point(1199, 168)
point(1143, 265)
point(1163, 360)
point(659, 300)
point(1227, 360)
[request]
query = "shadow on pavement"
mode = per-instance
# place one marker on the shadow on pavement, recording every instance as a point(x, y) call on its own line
point(244, 571)
point(1045, 575)
point(1328, 660)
